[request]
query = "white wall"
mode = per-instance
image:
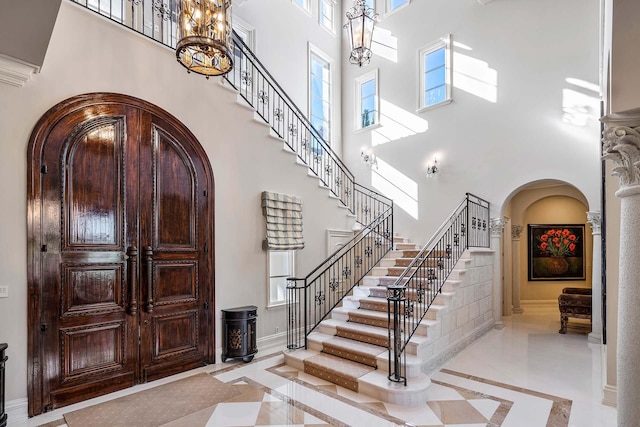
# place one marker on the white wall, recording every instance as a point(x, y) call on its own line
point(484, 147)
point(87, 53)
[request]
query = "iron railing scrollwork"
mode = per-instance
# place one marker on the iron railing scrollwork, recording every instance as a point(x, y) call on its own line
point(416, 289)
point(310, 299)
point(262, 92)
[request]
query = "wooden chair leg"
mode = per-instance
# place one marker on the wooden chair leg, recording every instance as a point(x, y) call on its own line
point(563, 324)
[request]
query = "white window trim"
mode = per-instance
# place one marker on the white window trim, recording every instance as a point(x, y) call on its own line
point(276, 304)
point(445, 42)
point(358, 98)
point(331, 30)
point(248, 29)
point(389, 11)
point(311, 49)
point(306, 8)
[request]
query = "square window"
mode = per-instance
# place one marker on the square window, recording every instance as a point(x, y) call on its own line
point(327, 8)
point(435, 73)
point(303, 4)
point(396, 4)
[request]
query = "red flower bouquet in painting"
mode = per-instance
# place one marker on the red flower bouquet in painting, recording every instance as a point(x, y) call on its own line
point(557, 242)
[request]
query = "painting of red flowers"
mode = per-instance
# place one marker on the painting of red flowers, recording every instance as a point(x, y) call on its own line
point(556, 252)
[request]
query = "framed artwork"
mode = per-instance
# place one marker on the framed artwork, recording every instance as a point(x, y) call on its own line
point(556, 252)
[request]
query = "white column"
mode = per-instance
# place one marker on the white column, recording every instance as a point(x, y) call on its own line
point(622, 145)
point(594, 218)
point(497, 225)
point(516, 230)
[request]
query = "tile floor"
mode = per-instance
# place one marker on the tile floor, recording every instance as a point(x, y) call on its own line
point(525, 375)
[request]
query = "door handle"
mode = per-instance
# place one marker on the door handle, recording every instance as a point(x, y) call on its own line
point(132, 268)
point(148, 258)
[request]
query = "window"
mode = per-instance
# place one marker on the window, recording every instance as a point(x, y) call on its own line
point(327, 8)
point(303, 4)
point(367, 108)
point(396, 4)
point(281, 266)
point(241, 66)
point(435, 73)
point(320, 94)
point(371, 4)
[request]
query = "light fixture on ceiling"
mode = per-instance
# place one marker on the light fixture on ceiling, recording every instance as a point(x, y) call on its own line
point(369, 159)
point(204, 28)
point(432, 169)
point(360, 31)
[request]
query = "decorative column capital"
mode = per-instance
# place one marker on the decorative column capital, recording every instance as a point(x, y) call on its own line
point(621, 143)
point(516, 230)
point(595, 220)
point(496, 225)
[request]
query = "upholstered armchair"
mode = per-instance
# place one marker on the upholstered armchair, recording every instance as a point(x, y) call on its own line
point(576, 303)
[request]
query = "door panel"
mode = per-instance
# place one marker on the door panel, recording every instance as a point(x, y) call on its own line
point(175, 220)
point(94, 177)
point(175, 315)
point(120, 275)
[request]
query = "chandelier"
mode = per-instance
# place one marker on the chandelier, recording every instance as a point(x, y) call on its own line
point(204, 28)
point(360, 29)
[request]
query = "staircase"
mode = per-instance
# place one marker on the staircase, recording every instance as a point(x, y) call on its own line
point(350, 349)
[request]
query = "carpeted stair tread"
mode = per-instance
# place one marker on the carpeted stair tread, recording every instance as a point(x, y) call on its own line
point(353, 350)
point(334, 369)
point(364, 333)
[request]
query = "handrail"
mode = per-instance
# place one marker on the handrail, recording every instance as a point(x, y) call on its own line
point(237, 40)
point(273, 105)
point(310, 299)
point(416, 289)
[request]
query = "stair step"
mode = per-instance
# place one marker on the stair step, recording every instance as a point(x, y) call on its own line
point(355, 351)
point(407, 246)
point(337, 370)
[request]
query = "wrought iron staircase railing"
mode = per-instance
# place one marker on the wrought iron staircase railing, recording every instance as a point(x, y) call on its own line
point(338, 274)
point(310, 299)
point(416, 289)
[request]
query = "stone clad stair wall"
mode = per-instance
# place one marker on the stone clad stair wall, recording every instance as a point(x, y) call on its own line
point(350, 348)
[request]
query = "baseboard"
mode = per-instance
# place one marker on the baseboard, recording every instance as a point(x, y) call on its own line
point(610, 395)
point(266, 345)
point(272, 343)
point(436, 362)
point(17, 411)
point(539, 303)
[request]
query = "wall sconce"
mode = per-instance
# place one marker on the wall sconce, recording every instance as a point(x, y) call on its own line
point(369, 159)
point(432, 170)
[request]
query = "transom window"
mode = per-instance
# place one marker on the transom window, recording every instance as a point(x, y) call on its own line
point(367, 103)
point(281, 266)
point(435, 73)
point(320, 94)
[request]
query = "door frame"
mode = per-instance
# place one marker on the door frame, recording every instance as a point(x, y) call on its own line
point(35, 150)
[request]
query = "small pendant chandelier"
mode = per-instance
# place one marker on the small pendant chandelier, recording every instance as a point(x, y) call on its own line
point(204, 28)
point(360, 29)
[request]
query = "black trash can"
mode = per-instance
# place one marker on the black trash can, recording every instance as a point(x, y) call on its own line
point(239, 333)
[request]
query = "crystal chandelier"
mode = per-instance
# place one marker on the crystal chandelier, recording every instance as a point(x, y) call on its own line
point(204, 28)
point(360, 30)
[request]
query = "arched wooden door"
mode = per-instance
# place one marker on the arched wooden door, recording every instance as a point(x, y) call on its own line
point(120, 241)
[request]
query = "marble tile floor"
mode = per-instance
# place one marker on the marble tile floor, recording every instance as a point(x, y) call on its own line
point(525, 375)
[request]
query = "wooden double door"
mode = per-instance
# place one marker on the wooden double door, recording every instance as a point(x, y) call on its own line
point(120, 250)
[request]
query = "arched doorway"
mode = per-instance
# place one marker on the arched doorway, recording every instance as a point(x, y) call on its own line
point(120, 249)
point(542, 202)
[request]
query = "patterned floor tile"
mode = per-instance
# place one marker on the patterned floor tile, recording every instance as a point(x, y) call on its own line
point(456, 412)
